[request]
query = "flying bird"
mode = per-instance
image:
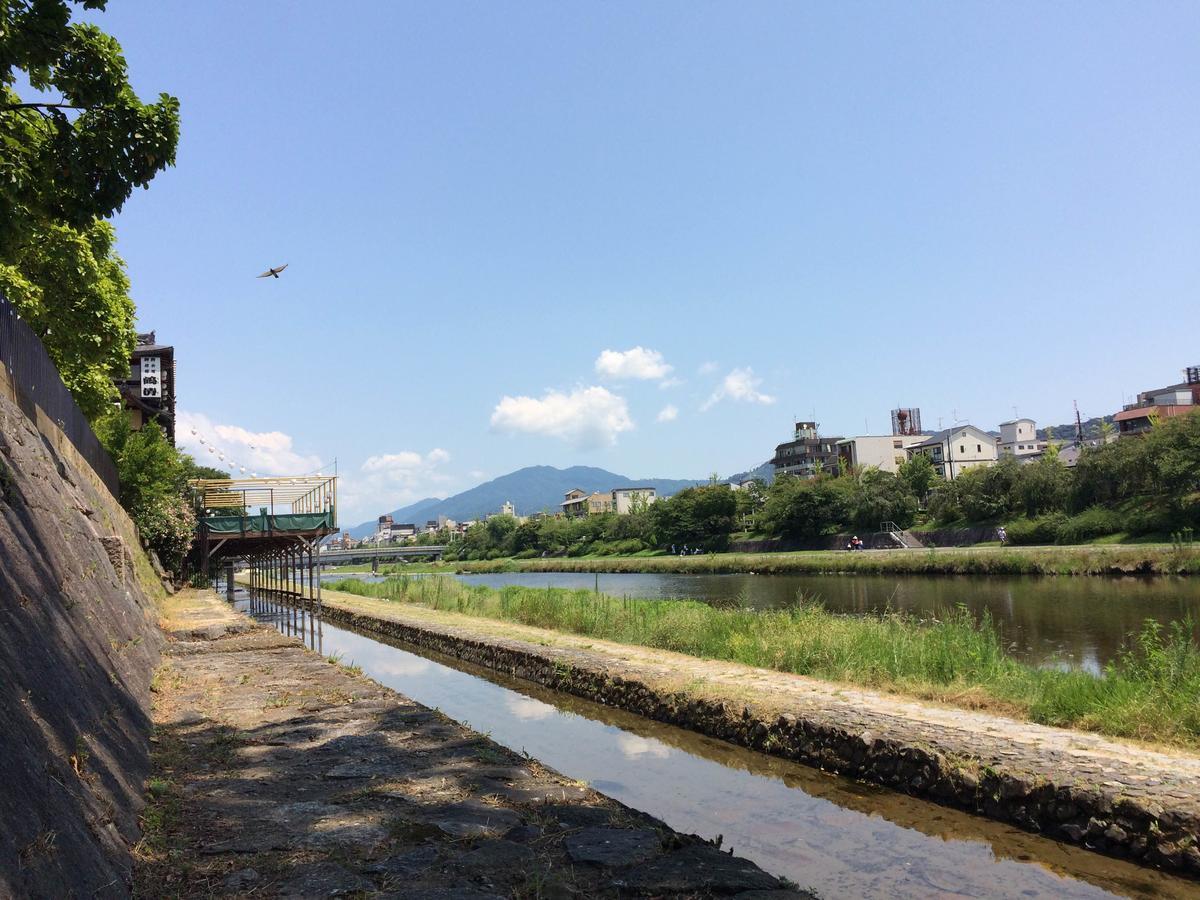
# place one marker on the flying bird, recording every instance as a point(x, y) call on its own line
point(273, 273)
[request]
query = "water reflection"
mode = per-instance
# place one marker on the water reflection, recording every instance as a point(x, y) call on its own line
point(837, 836)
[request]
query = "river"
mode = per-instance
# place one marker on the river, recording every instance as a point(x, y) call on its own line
point(842, 838)
point(1065, 621)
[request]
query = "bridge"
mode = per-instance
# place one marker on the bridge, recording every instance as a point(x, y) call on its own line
point(373, 554)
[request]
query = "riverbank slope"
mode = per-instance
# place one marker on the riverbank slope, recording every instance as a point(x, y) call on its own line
point(1116, 797)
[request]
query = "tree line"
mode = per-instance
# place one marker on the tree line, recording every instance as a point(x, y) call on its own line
point(1146, 485)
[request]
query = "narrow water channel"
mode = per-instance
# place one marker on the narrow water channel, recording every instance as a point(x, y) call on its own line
point(839, 837)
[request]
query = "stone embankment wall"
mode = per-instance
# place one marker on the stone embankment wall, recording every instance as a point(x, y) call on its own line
point(78, 647)
point(1122, 824)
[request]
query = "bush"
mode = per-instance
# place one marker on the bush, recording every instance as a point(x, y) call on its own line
point(1042, 530)
point(1091, 523)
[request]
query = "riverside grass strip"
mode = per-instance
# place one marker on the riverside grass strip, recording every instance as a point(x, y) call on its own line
point(1117, 560)
point(1150, 693)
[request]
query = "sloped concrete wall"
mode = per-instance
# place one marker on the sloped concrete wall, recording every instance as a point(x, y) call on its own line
point(79, 644)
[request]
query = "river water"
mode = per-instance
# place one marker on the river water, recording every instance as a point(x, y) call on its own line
point(1075, 621)
point(841, 838)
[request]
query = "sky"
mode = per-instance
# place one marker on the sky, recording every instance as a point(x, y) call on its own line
point(647, 237)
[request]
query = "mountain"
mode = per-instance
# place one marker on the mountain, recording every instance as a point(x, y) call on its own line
point(532, 489)
point(764, 472)
point(1091, 430)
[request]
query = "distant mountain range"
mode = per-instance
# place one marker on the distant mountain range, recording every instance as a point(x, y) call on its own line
point(532, 489)
point(764, 472)
point(1066, 433)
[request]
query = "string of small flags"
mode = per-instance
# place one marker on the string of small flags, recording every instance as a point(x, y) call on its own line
point(232, 463)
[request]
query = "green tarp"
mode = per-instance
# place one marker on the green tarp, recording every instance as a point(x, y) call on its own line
point(262, 523)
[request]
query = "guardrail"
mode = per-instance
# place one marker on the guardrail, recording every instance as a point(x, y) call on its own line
point(37, 384)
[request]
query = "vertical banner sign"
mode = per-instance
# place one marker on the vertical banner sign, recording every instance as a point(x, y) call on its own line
point(152, 377)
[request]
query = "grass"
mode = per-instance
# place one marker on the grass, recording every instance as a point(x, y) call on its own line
point(1150, 692)
point(992, 560)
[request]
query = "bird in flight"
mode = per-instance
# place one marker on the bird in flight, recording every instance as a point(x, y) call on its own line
point(273, 273)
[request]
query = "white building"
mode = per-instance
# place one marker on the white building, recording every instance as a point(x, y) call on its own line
point(957, 449)
point(1019, 438)
point(884, 451)
point(626, 500)
point(507, 509)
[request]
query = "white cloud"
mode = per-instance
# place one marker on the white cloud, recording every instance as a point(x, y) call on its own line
point(640, 363)
point(668, 413)
point(633, 747)
point(403, 667)
point(707, 368)
point(587, 417)
point(390, 480)
point(390, 462)
point(670, 383)
point(259, 452)
point(740, 385)
point(527, 708)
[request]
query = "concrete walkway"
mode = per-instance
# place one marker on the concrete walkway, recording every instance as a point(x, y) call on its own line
point(278, 773)
point(1109, 795)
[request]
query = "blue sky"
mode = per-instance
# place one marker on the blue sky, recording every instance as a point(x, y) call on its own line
point(799, 209)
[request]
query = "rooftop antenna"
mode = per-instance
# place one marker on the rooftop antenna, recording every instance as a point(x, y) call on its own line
point(1014, 409)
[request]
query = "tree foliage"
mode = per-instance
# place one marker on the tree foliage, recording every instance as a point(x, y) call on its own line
point(70, 287)
point(71, 153)
point(806, 507)
point(154, 478)
point(919, 474)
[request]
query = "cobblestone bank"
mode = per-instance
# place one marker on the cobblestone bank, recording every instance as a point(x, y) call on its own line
point(278, 774)
point(1115, 798)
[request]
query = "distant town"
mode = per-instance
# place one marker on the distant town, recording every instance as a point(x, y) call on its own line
point(809, 454)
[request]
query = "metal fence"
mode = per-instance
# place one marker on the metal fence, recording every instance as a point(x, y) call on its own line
point(37, 382)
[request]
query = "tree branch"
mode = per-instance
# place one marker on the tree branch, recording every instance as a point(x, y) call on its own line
point(39, 106)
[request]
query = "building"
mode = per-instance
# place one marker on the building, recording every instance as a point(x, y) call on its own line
point(148, 394)
point(1018, 437)
point(1160, 404)
point(575, 502)
point(404, 530)
point(954, 450)
point(507, 509)
point(627, 500)
point(883, 451)
point(807, 454)
point(578, 502)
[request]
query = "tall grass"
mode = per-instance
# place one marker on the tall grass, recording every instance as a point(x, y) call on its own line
point(1087, 560)
point(1151, 691)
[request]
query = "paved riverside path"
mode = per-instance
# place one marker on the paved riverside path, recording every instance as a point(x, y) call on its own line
point(1114, 796)
point(280, 774)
